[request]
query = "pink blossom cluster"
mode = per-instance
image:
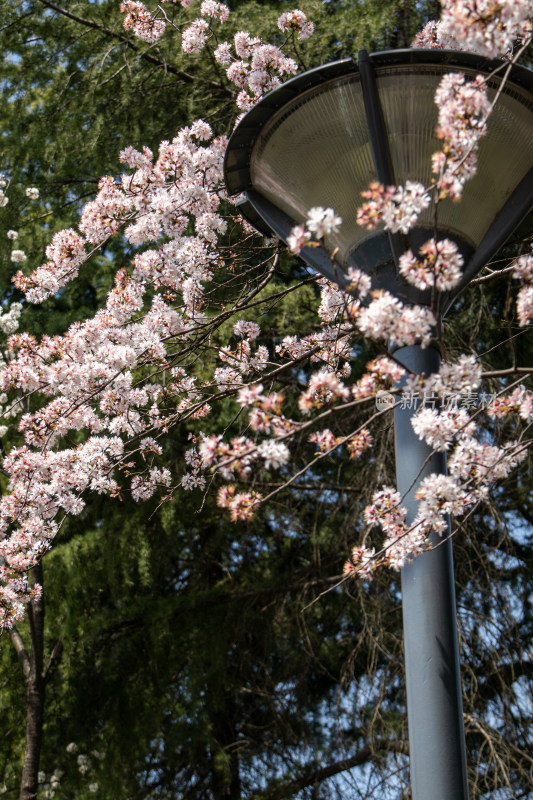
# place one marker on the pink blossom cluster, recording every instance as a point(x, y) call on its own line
point(473, 468)
point(255, 69)
point(439, 428)
point(397, 207)
point(66, 253)
point(433, 37)
point(15, 594)
point(479, 465)
point(194, 37)
point(41, 485)
point(242, 360)
point(439, 266)
point(523, 270)
point(381, 374)
point(325, 440)
point(144, 486)
point(139, 20)
point(325, 388)
point(333, 302)
point(320, 222)
point(296, 22)
point(489, 27)
point(402, 542)
point(361, 563)
point(519, 401)
point(159, 200)
point(453, 378)
point(193, 479)
point(265, 411)
point(327, 346)
point(241, 505)
point(439, 496)
point(388, 319)
point(236, 458)
point(464, 108)
point(86, 376)
point(210, 8)
point(356, 444)
point(359, 442)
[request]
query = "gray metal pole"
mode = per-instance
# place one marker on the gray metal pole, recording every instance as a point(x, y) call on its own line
point(434, 702)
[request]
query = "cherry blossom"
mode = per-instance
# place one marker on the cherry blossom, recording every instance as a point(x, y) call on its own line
point(247, 329)
point(431, 37)
point(9, 322)
point(240, 504)
point(439, 267)
point(143, 487)
point(359, 443)
point(245, 44)
point(322, 221)
point(319, 223)
point(438, 428)
point(464, 108)
point(387, 318)
point(222, 54)
point(325, 440)
point(523, 270)
point(210, 8)
point(257, 68)
point(298, 238)
point(488, 27)
point(297, 22)
point(519, 400)
point(141, 22)
point(123, 379)
point(397, 207)
point(275, 454)
point(324, 388)
point(194, 37)
point(362, 563)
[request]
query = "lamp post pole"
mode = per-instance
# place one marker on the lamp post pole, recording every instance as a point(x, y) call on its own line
point(434, 703)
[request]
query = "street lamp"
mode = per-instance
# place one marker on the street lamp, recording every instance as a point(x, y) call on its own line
point(320, 139)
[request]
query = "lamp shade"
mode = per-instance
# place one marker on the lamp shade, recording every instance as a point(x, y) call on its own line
point(322, 137)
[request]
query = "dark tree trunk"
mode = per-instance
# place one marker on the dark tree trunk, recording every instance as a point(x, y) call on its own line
point(225, 781)
point(35, 688)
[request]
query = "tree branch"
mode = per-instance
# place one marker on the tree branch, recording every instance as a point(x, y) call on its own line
point(144, 54)
point(20, 649)
point(315, 776)
point(53, 661)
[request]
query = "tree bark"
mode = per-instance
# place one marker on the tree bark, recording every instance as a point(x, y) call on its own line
point(35, 691)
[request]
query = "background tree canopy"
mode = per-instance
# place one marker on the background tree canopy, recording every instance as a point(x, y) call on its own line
point(186, 657)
